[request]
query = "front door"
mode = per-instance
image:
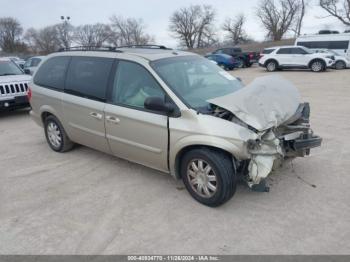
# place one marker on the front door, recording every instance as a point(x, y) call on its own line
point(133, 132)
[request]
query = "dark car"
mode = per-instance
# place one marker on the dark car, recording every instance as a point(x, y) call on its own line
point(246, 58)
point(227, 62)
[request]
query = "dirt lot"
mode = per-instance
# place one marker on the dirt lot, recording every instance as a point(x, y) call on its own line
point(85, 202)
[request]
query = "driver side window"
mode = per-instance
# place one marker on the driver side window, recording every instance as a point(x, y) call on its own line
point(133, 84)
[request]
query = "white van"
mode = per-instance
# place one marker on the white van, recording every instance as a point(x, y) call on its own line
point(339, 43)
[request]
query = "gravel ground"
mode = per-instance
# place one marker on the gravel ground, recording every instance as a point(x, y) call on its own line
point(87, 202)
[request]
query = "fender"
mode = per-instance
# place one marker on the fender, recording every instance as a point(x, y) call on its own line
point(238, 151)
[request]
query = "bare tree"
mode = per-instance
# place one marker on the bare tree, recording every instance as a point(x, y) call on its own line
point(300, 17)
point(192, 24)
point(65, 33)
point(10, 33)
point(339, 9)
point(43, 41)
point(234, 27)
point(205, 26)
point(92, 35)
point(278, 17)
point(129, 31)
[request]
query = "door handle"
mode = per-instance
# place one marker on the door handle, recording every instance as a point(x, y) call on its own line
point(96, 115)
point(112, 119)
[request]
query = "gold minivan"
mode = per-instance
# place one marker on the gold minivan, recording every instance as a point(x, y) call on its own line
point(173, 111)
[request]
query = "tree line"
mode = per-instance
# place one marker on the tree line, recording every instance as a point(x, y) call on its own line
point(120, 31)
point(193, 26)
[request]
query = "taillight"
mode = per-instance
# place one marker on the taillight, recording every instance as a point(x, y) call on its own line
point(251, 56)
point(29, 94)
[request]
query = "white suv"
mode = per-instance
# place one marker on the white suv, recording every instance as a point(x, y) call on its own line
point(295, 57)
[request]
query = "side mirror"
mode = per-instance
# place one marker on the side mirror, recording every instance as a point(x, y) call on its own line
point(27, 71)
point(157, 103)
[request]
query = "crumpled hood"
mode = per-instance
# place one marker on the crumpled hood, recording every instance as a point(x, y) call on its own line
point(14, 78)
point(266, 102)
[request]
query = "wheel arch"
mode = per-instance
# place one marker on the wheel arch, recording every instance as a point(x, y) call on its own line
point(271, 60)
point(317, 59)
point(46, 110)
point(235, 151)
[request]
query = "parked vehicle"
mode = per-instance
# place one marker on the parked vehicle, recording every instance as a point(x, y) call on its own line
point(32, 64)
point(173, 111)
point(246, 58)
point(13, 85)
point(227, 62)
point(291, 57)
point(341, 62)
point(339, 43)
point(20, 62)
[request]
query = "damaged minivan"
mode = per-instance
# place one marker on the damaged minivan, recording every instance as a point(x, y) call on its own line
point(173, 111)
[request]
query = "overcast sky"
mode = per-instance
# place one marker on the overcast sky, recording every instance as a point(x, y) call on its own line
point(155, 14)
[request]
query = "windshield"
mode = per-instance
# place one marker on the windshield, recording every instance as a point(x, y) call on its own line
point(195, 79)
point(9, 68)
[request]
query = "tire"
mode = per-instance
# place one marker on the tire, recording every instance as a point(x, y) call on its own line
point(271, 66)
point(339, 65)
point(317, 66)
point(214, 187)
point(55, 135)
point(240, 63)
point(248, 64)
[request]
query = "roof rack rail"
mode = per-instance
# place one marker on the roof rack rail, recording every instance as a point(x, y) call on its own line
point(91, 48)
point(145, 47)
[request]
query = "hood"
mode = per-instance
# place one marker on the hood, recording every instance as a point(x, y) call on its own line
point(266, 102)
point(15, 78)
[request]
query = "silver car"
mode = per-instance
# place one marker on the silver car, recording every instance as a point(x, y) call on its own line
point(172, 111)
point(32, 64)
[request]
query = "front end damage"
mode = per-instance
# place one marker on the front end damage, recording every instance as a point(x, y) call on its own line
point(294, 138)
point(271, 107)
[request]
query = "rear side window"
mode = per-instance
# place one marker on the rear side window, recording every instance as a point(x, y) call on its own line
point(283, 51)
point(339, 45)
point(52, 73)
point(298, 51)
point(325, 44)
point(88, 77)
point(267, 51)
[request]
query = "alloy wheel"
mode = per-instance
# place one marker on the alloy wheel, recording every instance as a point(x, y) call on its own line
point(271, 66)
point(317, 66)
point(54, 134)
point(202, 178)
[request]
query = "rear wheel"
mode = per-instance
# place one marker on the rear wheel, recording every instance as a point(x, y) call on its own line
point(56, 137)
point(209, 176)
point(340, 65)
point(271, 66)
point(317, 66)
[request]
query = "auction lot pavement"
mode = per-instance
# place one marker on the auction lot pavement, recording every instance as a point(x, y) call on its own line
point(87, 202)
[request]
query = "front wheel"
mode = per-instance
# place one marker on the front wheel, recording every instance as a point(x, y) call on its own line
point(209, 176)
point(317, 66)
point(340, 65)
